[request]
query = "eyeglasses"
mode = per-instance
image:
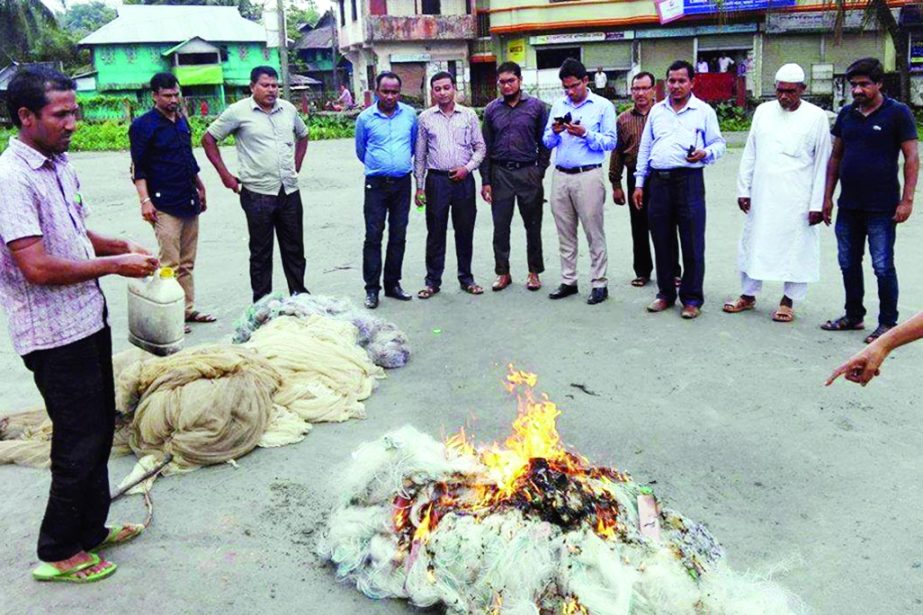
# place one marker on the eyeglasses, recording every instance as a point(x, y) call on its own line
point(641, 88)
point(507, 81)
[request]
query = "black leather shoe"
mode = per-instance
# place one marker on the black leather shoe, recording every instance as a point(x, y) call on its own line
point(598, 295)
point(564, 290)
point(371, 300)
point(398, 293)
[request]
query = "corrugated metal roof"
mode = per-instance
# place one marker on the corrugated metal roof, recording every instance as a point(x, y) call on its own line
point(173, 24)
point(316, 39)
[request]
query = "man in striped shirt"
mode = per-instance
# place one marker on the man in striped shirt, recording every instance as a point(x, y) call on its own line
point(449, 148)
point(628, 127)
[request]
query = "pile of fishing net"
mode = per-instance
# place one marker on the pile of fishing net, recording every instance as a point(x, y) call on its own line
point(386, 344)
point(525, 529)
point(214, 403)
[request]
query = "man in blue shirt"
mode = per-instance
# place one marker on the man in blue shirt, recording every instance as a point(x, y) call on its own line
point(867, 138)
point(166, 176)
point(581, 129)
point(680, 138)
point(385, 137)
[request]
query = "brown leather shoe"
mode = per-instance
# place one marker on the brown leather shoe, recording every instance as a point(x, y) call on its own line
point(502, 282)
point(690, 311)
point(533, 283)
point(659, 305)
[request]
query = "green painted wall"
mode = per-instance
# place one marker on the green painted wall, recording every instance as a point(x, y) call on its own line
point(130, 67)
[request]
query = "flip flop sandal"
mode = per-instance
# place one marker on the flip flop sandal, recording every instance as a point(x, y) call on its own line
point(640, 281)
point(428, 292)
point(473, 289)
point(48, 573)
point(112, 540)
point(783, 314)
point(200, 317)
point(843, 324)
point(738, 305)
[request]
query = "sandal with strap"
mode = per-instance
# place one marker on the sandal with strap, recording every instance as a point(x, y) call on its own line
point(843, 323)
point(738, 305)
point(472, 289)
point(119, 535)
point(878, 332)
point(428, 292)
point(49, 573)
point(640, 281)
point(783, 314)
point(200, 317)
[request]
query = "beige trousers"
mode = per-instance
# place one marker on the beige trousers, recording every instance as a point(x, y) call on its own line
point(580, 197)
point(177, 238)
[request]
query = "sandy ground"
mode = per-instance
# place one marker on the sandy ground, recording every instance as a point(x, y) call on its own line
point(727, 414)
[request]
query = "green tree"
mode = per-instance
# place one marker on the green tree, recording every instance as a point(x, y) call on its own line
point(82, 19)
point(298, 14)
point(23, 25)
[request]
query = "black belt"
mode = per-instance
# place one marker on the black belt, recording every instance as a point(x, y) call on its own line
point(575, 170)
point(668, 173)
point(437, 172)
point(511, 165)
point(387, 179)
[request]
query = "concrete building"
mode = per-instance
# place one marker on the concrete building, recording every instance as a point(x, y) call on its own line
point(629, 36)
point(413, 38)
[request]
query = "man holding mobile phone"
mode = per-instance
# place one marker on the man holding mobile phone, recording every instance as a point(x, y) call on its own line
point(680, 138)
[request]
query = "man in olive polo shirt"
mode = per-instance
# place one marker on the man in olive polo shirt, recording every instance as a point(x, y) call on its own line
point(271, 144)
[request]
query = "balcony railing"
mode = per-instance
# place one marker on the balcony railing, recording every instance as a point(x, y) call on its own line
point(420, 27)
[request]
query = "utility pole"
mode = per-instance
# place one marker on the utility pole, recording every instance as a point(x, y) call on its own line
point(283, 51)
point(334, 50)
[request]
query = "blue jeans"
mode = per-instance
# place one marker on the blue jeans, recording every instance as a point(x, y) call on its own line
point(677, 201)
point(852, 228)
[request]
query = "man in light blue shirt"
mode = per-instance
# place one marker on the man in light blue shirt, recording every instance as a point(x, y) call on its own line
point(580, 129)
point(681, 137)
point(385, 136)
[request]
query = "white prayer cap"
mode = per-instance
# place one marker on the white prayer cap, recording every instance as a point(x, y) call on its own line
point(790, 73)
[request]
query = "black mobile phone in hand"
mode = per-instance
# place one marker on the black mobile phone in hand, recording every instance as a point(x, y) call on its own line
point(690, 151)
point(564, 120)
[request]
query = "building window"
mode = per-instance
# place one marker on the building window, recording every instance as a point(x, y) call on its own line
point(355, 11)
point(342, 12)
point(554, 57)
point(483, 24)
point(430, 7)
point(453, 68)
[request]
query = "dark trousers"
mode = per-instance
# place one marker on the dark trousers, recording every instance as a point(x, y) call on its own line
point(642, 262)
point(446, 198)
point(852, 229)
point(76, 383)
point(507, 187)
point(283, 214)
point(677, 201)
point(387, 199)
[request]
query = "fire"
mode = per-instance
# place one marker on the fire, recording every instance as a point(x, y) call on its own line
point(532, 471)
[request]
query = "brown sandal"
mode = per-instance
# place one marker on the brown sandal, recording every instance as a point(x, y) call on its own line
point(640, 281)
point(473, 289)
point(738, 305)
point(783, 314)
point(428, 292)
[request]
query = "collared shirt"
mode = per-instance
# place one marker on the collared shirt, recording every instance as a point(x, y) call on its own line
point(265, 143)
point(41, 198)
point(597, 115)
point(385, 143)
point(628, 127)
point(669, 134)
point(514, 134)
point(446, 142)
point(346, 99)
point(161, 154)
point(871, 146)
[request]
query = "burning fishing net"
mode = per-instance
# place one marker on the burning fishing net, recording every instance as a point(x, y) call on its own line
point(386, 345)
point(525, 528)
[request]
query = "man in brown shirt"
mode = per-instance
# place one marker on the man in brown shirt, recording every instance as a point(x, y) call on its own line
point(629, 126)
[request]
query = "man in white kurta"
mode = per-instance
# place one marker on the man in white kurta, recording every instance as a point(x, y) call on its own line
point(781, 190)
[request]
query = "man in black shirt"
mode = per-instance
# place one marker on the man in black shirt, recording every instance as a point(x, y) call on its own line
point(166, 176)
point(513, 170)
point(867, 138)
